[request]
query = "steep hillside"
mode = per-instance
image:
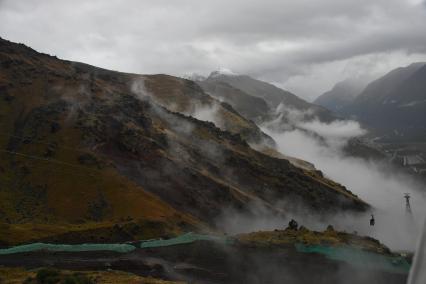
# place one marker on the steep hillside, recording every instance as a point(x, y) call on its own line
point(249, 106)
point(386, 87)
point(86, 146)
point(186, 97)
point(395, 105)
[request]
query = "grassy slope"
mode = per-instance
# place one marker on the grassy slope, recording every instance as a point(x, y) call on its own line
point(186, 97)
point(60, 191)
point(328, 237)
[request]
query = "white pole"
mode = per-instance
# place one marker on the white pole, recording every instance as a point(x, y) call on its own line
point(418, 269)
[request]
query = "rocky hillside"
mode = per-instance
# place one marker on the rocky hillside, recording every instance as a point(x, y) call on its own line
point(84, 149)
point(186, 97)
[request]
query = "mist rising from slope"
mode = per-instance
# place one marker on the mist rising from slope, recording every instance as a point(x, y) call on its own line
point(383, 188)
point(372, 182)
point(322, 144)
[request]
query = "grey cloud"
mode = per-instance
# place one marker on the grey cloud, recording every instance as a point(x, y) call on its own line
point(286, 42)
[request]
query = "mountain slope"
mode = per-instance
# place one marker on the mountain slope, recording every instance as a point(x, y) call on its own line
point(385, 87)
point(271, 94)
point(340, 96)
point(283, 112)
point(395, 103)
point(84, 145)
point(249, 106)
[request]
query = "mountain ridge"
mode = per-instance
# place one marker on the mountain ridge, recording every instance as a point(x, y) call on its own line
point(394, 102)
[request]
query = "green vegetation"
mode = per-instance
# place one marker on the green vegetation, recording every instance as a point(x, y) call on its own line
point(363, 252)
point(329, 237)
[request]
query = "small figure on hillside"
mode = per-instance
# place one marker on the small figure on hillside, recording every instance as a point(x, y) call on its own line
point(293, 224)
point(303, 229)
point(372, 221)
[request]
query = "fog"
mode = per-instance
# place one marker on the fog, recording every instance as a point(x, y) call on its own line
point(378, 184)
point(371, 182)
point(300, 136)
point(208, 113)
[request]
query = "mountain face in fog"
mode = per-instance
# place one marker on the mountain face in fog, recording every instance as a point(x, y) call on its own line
point(85, 144)
point(341, 95)
point(249, 106)
point(267, 104)
point(273, 96)
point(394, 104)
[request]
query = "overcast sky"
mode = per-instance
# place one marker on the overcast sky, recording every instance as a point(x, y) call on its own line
point(304, 46)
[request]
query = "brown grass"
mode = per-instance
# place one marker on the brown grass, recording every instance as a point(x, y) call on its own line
point(16, 275)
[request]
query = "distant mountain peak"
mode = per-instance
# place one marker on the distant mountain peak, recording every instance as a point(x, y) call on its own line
point(341, 95)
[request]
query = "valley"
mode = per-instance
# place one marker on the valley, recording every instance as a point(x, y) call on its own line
point(410, 156)
point(158, 178)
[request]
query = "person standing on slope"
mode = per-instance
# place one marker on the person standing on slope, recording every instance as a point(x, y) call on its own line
point(372, 221)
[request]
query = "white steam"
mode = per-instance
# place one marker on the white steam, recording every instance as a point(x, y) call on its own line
point(372, 182)
point(210, 113)
point(300, 135)
point(293, 115)
point(383, 188)
point(202, 111)
point(138, 89)
point(341, 129)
